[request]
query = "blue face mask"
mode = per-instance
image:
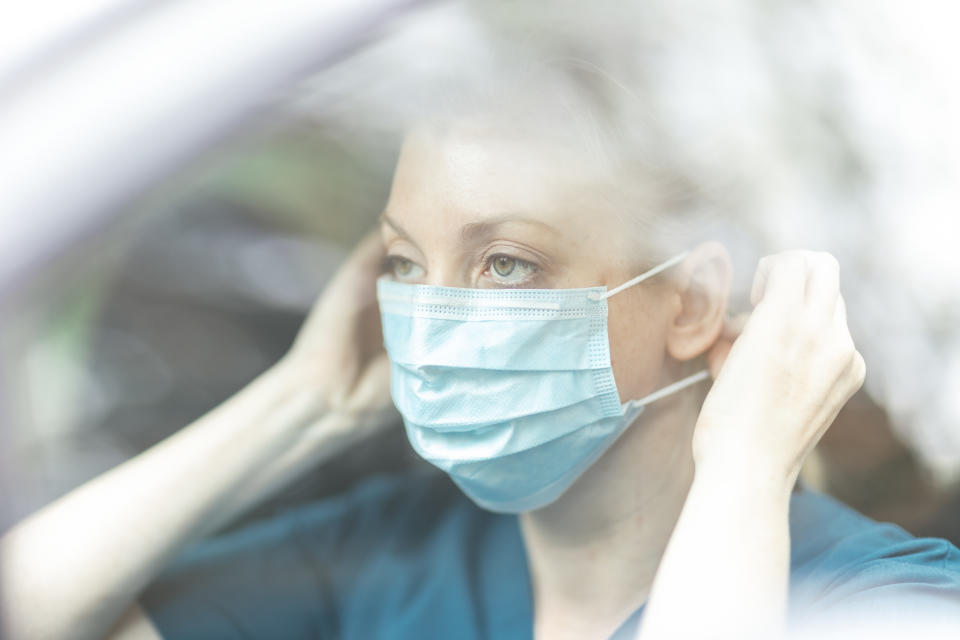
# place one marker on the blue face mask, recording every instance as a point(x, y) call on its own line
point(510, 391)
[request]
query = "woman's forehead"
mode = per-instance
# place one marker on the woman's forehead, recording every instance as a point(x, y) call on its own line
point(503, 141)
point(475, 170)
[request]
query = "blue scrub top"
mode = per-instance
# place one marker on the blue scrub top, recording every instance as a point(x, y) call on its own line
point(412, 557)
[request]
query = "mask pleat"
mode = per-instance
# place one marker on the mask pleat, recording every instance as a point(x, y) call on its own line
point(450, 399)
point(510, 391)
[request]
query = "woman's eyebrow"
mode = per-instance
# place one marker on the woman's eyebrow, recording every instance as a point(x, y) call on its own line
point(400, 231)
point(474, 230)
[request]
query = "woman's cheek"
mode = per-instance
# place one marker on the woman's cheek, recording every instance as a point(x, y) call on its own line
point(637, 349)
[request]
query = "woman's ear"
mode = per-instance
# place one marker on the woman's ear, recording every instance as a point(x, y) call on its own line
point(703, 287)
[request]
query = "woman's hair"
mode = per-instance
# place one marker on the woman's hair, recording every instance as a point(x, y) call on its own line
point(585, 115)
point(591, 122)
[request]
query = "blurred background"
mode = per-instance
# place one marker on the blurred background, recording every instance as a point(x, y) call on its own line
point(180, 179)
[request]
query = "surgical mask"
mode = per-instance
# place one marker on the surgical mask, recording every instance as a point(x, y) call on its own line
point(510, 391)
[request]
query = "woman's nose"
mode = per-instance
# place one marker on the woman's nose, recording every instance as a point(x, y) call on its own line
point(446, 273)
point(440, 278)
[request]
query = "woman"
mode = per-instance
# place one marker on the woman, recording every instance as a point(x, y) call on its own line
point(581, 511)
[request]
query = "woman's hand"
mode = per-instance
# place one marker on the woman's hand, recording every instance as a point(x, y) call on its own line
point(780, 384)
point(339, 351)
point(327, 392)
point(777, 388)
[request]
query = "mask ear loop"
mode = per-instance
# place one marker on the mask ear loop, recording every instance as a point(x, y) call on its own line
point(683, 383)
point(640, 278)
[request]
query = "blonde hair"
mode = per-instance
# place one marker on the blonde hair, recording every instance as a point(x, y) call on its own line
point(589, 117)
point(574, 106)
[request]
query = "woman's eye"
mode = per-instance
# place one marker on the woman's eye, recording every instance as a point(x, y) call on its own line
point(402, 267)
point(507, 270)
point(504, 265)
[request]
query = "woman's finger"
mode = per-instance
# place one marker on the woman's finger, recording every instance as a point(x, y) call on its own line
point(823, 285)
point(349, 296)
point(840, 314)
point(733, 326)
point(717, 355)
point(859, 371)
point(781, 279)
point(357, 276)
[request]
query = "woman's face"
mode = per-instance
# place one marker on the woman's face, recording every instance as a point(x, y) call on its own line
point(470, 208)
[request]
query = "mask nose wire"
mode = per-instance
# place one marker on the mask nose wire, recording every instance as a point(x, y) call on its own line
point(640, 278)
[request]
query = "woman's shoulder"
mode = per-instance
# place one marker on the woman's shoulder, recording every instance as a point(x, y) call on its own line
point(375, 513)
point(315, 569)
point(841, 558)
